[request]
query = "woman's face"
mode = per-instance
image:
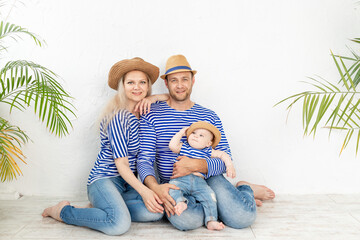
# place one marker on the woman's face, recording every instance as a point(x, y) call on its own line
point(136, 85)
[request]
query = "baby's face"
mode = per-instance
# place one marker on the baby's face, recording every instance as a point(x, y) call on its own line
point(200, 138)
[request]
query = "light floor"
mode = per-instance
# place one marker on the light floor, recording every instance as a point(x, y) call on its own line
point(286, 217)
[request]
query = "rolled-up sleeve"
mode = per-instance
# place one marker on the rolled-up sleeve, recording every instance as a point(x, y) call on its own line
point(215, 165)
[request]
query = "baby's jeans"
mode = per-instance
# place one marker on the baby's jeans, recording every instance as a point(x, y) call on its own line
point(196, 187)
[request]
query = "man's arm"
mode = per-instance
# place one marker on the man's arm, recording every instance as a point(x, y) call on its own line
point(230, 170)
point(185, 166)
point(145, 166)
point(208, 166)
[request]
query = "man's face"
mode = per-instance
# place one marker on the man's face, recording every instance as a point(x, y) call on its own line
point(180, 85)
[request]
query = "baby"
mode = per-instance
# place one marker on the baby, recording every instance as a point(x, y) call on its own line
point(202, 137)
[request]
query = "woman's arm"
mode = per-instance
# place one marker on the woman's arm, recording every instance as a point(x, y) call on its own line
point(175, 143)
point(151, 200)
point(143, 106)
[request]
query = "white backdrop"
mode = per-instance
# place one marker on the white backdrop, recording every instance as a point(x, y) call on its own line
point(249, 55)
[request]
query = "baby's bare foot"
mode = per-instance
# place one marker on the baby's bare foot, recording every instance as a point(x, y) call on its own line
point(214, 225)
point(180, 207)
point(55, 210)
point(261, 192)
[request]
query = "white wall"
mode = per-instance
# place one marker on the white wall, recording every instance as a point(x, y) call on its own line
point(249, 55)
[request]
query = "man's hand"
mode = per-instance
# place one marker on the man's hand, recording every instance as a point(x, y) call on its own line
point(162, 190)
point(186, 166)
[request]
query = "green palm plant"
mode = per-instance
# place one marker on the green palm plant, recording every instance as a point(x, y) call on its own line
point(24, 83)
point(333, 105)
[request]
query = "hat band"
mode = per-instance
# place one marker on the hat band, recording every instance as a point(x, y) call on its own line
point(177, 68)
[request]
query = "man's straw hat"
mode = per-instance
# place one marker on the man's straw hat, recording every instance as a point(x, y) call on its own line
point(119, 69)
point(177, 63)
point(208, 126)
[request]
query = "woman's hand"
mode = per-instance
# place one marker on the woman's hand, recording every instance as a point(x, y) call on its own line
point(152, 201)
point(163, 191)
point(143, 106)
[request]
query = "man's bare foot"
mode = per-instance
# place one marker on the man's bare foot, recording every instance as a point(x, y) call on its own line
point(215, 225)
point(55, 210)
point(261, 192)
point(180, 207)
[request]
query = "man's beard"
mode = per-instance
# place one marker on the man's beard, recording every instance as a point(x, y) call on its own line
point(179, 99)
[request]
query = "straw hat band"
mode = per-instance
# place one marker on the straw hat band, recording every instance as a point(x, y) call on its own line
point(175, 64)
point(178, 68)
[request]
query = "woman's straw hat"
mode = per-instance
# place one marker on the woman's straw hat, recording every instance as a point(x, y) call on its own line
point(208, 126)
point(177, 63)
point(119, 69)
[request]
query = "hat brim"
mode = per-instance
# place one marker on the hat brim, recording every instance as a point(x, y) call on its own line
point(119, 69)
point(208, 126)
point(176, 71)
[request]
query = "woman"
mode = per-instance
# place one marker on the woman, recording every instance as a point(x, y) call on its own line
point(116, 195)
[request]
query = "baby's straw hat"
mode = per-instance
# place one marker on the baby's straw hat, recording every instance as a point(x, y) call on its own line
point(208, 126)
point(119, 69)
point(177, 63)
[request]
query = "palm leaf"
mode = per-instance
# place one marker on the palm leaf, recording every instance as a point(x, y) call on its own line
point(25, 82)
point(10, 138)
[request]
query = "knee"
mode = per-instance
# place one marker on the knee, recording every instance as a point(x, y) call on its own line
point(185, 224)
point(239, 219)
point(118, 226)
point(152, 217)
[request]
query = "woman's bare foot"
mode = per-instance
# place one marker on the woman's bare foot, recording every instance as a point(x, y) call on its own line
point(261, 192)
point(55, 210)
point(215, 225)
point(180, 207)
point(258, 202)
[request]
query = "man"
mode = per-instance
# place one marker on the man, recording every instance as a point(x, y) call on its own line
point(236, 205)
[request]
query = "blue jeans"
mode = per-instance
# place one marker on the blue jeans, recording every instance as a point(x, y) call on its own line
point(196, 187)
point(236, 206)
point(115, 205)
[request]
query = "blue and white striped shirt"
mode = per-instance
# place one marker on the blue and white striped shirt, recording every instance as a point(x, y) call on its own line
point(120, 138)
point(159, 126)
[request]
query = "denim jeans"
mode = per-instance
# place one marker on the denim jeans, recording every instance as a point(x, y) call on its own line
point(236, 206)
point(115, 205)
point(196, 187)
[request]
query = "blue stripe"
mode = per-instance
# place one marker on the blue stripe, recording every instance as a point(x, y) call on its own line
point(177, 68)
point(156, 130)
point(119, 139)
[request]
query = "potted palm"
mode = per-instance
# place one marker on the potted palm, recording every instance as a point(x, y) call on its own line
point(23, 84)
point(333, 105)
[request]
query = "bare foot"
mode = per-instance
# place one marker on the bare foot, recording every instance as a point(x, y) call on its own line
point(180, 207)
point(214, 225)
point(55, 210)
point(258, 202)
point(261, 192)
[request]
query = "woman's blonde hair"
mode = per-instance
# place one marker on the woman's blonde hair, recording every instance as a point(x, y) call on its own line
point(119, 101)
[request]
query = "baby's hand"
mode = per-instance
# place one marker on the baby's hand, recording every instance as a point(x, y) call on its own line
point(183, 130)
point(230, 171)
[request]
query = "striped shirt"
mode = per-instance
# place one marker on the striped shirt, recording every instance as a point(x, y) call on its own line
point(159, 126)
point(187, 150)
point(120, 138)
